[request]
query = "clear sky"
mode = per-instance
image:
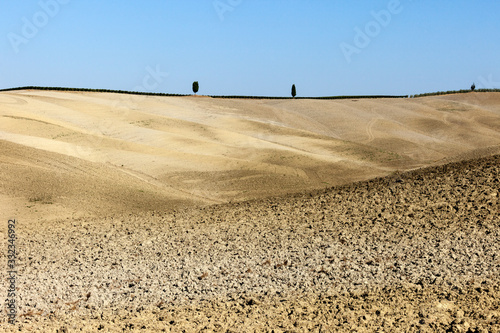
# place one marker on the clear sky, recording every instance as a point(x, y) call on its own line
point(252, 47)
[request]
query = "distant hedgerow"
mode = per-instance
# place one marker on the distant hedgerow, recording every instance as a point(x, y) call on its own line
point(242, 96)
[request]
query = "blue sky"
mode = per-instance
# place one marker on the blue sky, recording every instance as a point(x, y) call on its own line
point(252, 47)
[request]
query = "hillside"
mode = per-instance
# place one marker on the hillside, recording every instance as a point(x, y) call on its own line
point(83, 153)
point(416, 251)
point(198, 213)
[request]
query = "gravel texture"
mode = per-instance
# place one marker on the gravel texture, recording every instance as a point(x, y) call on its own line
point(417, 251)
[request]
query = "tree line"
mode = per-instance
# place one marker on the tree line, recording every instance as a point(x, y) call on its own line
point(196, 87)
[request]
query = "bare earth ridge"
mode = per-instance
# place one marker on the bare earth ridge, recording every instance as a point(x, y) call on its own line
point(117, 228)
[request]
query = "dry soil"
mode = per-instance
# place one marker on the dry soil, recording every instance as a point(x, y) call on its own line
point(199, 214)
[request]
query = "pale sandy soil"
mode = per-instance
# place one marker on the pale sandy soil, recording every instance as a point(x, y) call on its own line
point(92, 152)
point(117, 230)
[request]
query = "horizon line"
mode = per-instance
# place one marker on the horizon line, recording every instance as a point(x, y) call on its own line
point(244, 96)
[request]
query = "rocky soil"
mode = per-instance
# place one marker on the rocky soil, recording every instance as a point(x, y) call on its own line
point(417, 251)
